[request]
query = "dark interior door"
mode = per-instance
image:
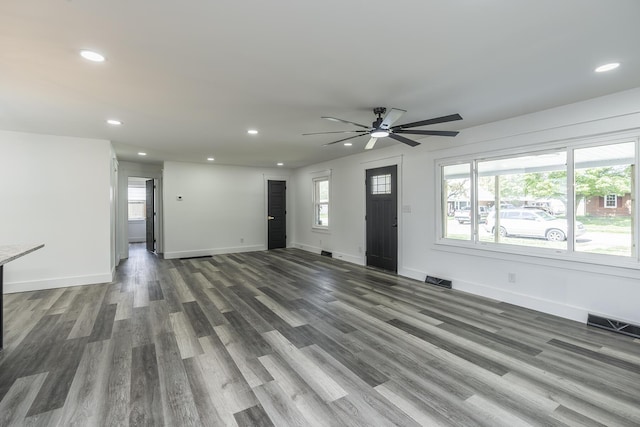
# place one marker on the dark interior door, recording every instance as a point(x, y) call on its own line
point(277, 214)
point(150, 215)
point(382, 218)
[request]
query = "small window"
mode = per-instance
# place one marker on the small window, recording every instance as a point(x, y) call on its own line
point(611, 201)
point(136, 202)
point(321, 202)
point(137, 210)
point(381, 184)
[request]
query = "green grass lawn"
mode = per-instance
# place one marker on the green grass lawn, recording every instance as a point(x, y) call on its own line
point(613, 224)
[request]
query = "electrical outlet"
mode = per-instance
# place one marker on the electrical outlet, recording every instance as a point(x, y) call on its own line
point(512, 277)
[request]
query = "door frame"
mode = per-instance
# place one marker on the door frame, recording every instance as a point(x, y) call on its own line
point(126, 170)
point(286, 179)
point(374, 164)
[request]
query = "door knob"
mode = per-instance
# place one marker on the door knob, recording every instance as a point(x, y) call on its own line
point(270, 218)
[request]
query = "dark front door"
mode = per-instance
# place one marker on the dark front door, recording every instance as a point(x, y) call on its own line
point(382, 218)
point(277, 214)
point(150, 215)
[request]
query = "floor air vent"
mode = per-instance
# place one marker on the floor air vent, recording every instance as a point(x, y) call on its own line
point(614, 325)
point(438, 282)
point(326, 253)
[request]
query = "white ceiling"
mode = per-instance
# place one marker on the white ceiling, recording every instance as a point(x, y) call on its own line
point(189, 78)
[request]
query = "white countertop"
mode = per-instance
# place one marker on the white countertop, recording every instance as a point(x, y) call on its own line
point(10, 252)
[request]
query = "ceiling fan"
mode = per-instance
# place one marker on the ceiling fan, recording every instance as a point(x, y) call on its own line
point(382, 128)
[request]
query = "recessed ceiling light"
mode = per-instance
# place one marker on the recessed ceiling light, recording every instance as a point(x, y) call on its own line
point(211, 159)
point(92, 56)
point(607, 67)
point(252, 132)
point(280, 164)
point(142, 154)
point(114, 122)
point(348, 144)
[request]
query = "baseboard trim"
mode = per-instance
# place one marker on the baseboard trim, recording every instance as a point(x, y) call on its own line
point(213, 251)
point(539, 304)
point(62, 282)
point(358, 260)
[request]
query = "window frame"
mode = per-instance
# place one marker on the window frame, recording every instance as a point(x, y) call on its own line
point(500, 250)
point(316, 202)
point(144, 210)
point(606, 201)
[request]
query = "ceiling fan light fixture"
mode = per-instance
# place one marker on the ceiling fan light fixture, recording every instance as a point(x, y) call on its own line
point(379, 133)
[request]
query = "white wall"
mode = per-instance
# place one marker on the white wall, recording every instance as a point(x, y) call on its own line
point(566, 288)
point(137, 229)
point(223, 208)
point(55, 190)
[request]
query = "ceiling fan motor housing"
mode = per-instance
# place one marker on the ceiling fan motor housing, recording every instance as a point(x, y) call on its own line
point(379, 111)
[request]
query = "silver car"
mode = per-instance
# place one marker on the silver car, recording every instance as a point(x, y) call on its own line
point(531, 223)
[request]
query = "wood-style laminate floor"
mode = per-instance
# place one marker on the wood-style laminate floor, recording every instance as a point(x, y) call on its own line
point(288, 338)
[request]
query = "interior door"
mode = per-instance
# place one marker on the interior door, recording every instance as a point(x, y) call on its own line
point(382, 218)
point(277, 214)
point(150, 215)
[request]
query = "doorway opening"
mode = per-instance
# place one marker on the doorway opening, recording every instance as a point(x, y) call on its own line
point(141, 212)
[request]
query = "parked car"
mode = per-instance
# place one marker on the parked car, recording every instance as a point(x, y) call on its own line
point(531, 223)
point(553, 206)
point(463, 215)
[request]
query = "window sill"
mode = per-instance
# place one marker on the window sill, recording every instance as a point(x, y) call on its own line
point(602, 264)
point(323, 230)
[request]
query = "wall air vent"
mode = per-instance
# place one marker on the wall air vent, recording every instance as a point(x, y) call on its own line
point(438, 282)
point(614, 325)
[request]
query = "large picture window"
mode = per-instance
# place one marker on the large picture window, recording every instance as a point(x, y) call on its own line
point(456, 198)
point(321, 202)
point(525, 197)
point(603, 198)
point(575, 199)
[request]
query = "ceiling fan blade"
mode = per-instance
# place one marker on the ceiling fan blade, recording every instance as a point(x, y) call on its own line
point(404, 140)
point(443, 119)
point(340, 140)
point(340, 131)
point(429, 132)
point(370, 144)
point(333, 119)
point(391, 117)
